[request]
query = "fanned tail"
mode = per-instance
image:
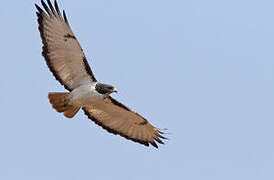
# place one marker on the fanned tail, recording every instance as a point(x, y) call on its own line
point(60, 102)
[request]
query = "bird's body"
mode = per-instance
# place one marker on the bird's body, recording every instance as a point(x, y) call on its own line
point(85, 95)
point(66, 60)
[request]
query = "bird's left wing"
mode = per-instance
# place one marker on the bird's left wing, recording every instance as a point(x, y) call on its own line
point(63, 53)
point(116, 118)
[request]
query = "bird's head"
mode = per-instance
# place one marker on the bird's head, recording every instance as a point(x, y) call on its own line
point(105, 89)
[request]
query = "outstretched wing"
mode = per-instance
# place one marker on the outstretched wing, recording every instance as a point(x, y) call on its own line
point(116, 118)
point(63, 53)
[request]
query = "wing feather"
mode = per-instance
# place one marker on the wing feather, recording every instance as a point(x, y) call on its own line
point(51, 8)
point(57, 8)
point(65, 17)
point(46, 7)
point(61, 50)
point(116, 118)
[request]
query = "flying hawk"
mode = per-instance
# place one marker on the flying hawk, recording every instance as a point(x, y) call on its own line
point(66, 60)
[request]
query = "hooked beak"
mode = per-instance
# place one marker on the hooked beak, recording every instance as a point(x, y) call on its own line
point(115, 90)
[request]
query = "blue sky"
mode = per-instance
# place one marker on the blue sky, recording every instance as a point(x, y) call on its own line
point(202, 69)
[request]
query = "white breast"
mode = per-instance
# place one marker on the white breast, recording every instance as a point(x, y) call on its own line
point(85, 95)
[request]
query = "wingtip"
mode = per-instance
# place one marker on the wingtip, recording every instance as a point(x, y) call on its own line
point(159, 140)
point(46, 7)
point(51, 7)
point(38, 8)
point(57, 8)
point(43, 3)
point(154, 144)
point(49, 3)
point(65, 17)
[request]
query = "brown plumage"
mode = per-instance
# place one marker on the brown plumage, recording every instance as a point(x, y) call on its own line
point(60, 102)
point(67, 61)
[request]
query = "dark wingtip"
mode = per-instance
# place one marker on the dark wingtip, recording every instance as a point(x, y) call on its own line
point(38, 9)
point(45, 7)
point(57, 8)
point(65, 17)
point(159, 140)
point(154, 144)
point(51, 7)
point(162, 133)
point(162, 137)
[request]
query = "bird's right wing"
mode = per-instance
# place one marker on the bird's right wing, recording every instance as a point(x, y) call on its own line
point(116, 118)
point(62, 52)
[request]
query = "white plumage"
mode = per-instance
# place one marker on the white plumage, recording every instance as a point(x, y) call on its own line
point(85, 95)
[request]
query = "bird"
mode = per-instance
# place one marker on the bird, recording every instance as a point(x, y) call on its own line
point(66, 60)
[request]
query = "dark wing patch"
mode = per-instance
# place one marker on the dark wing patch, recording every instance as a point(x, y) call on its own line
point(69, 36)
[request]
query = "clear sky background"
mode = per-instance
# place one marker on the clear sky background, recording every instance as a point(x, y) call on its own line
point(202, 69)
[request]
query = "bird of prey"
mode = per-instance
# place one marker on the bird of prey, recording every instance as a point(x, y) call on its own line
point(66, 60)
